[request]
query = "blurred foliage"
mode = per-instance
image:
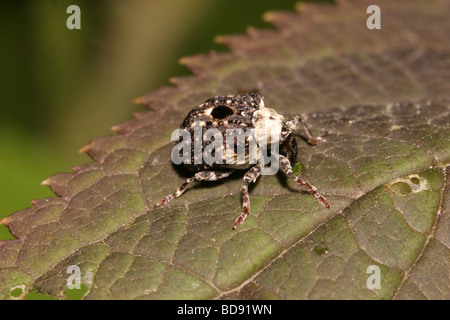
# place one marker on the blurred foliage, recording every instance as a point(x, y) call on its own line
point(60, 88)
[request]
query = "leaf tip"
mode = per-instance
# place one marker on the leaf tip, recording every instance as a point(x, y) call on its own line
point(138, 100)
point(85, 149)
point(269, 16)
point(116, 128)
point(185, 61)
point(4, 221)
point(220, 39)
point(46, 182)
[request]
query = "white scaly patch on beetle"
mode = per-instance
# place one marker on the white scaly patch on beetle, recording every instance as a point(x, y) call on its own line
point(208, 111)
point(268, 124)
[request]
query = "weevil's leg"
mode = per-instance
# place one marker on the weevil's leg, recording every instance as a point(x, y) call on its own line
point(199, 176)
point(176, 194)
point(311, 139)
point(285, 165)
point(250, 176)
point(212, 175)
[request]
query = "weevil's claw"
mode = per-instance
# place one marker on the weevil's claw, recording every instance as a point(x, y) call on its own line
point(239, 220)
point(313, 141)
point(324, 201)
point(159, 204)
point(163, 202)
point(320, 198)
point(322, 137)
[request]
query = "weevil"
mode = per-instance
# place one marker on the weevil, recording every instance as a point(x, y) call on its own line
point(242, 111)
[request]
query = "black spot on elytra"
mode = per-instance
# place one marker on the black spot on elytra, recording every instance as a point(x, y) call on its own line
point(221, 112)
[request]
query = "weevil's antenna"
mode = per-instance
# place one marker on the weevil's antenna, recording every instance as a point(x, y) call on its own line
point(311, 139)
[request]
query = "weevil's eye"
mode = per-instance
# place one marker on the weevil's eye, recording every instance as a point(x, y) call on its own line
point(221, 112)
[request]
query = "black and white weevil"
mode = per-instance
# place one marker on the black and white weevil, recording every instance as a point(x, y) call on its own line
point(246, 111)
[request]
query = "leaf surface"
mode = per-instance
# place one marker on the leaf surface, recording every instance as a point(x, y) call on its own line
point(382, 95)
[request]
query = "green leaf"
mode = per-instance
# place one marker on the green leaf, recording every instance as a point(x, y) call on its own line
point(297, 168)
point(384, 169)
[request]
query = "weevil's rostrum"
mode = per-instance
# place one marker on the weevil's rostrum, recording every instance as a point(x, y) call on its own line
point(227, 114)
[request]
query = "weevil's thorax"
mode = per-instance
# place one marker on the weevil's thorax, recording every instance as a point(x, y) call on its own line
point(271, 127)
point(268, 126)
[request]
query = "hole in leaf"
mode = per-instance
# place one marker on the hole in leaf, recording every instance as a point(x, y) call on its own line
point(16, 292)
point(36, 295)
point(76, 294)
point(410, 184)
point(401, 188)
point(320, 249)
point(221, 112)
point(297, 168)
